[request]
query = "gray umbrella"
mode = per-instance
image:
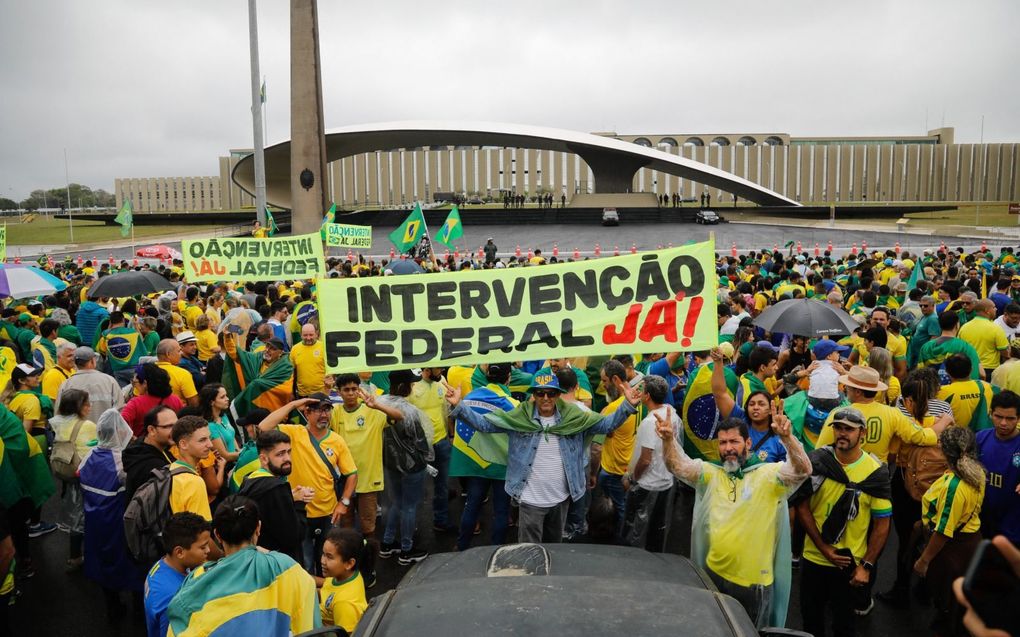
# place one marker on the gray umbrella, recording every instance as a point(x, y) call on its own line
point(805, 317)
point(404, 266)
point(129, 283)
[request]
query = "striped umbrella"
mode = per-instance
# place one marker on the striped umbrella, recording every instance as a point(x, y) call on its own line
point(24, 281)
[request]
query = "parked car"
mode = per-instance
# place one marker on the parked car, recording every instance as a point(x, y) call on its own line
point(560, 590)
point(474, 200)
point(706, 217)
point(610, 217)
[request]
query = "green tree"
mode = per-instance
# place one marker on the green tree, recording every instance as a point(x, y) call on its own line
point(8, 204)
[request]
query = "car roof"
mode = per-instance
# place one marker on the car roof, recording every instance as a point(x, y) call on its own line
point(555, 589)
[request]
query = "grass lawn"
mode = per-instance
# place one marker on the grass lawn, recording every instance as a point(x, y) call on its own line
point(47, 231)
point(963, 217)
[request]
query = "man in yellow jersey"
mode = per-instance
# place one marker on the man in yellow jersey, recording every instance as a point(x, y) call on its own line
point(63, 368)
point(840, 552)
point(740, 500)
point(309, 360)
point(361, 427)
point(896, 344)
point(187, 491)
point(618, 446)
point(168, 353)
point(321, 460)
point(969, 399)
point(883, 423)
point(985, 337)
point(429, 395)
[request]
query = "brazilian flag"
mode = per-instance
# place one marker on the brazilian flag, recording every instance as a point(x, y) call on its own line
point(452, 229)
point(303, 312)
point(271, 223)
point(121, 345)
point(250, 592)
point(251, 386)
point(330, 217)
point(247, 461)
point(477, 454)
point(27, 460)
point(700, 415)
point(410, 232)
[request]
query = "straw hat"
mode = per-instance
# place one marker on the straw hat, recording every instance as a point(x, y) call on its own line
point(864, 378)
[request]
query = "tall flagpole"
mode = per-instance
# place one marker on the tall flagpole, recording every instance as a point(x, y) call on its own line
point(256, 114)
point(428, 235)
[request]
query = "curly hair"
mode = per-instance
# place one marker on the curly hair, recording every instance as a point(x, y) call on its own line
point(959, 445)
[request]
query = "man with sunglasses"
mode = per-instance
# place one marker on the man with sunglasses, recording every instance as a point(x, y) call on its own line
point(925, 330)
point(741, 499)
point(849, 493)
point(545, 465)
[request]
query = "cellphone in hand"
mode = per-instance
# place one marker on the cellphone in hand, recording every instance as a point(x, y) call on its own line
point(992, 587)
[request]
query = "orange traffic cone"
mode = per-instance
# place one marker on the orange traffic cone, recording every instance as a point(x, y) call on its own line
point(818, 251)
point(633, 248)
point(598, 250)
point(864, 247)
point(556, 250)
point(393, 254)
point(616, 251)
point(853, 249)
point(577, 254)
point(733, 250)
point(829, 246)
point(517, 252)
point(799, 248)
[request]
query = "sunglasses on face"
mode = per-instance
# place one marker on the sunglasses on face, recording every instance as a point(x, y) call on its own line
point(542, 393)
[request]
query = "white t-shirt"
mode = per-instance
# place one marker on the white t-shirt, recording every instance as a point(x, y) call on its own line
point(656, 477)
point(547, 482)
point(824, 381)
point(1009, 331)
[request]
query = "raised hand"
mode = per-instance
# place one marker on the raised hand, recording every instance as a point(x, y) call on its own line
point(632, 394)
point(664, 426)
point(367, 397)
point(452, 393)
point(780, 423)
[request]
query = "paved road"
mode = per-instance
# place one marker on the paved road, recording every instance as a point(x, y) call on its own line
point(746, 236)
point(56, 604)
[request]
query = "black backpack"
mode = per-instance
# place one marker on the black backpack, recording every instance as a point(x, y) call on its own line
point(146, 515)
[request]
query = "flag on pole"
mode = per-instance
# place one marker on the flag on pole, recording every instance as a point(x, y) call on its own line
point(452, 229)
point(410, 232)
point(271, 223)
point(916, 275)
point(125, 218)
point(329, 217)
point(262, 92)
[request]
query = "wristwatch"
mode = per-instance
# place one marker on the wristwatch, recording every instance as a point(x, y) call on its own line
point(868, 566)
point(347, 502)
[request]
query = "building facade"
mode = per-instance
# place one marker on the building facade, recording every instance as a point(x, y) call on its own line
point(811, 170)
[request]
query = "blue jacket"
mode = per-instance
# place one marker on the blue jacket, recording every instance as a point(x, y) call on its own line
point(87, 320)
point(522, 447)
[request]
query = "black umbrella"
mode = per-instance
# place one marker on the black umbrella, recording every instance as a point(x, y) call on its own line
point(805, 317)
point(129, 283)
point(404, 266)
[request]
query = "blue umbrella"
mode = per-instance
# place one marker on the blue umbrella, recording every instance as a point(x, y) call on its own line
point(24, 281)
point(404, 266)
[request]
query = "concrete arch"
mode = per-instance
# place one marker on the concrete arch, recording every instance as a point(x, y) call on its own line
point(747, 140)
point(643, 141)
point(613, 162)
point(694, 141)
point(721, 141)
point(772, 140)
point(668, 141)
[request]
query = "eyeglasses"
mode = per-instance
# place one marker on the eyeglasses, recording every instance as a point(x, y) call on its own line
point(543, 393)
point(733, 490)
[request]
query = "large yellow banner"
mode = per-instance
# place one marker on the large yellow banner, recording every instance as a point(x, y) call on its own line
point(266, 259)
point(650, 302)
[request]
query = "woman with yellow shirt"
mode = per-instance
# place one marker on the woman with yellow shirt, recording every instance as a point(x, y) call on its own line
point(950, 517)
point(74, 413)
point(880, 359)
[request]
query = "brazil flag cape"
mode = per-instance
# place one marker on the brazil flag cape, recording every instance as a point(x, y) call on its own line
point(27, 460)
point(122, 347)
point(476, 454)
point(700, 415)
point(247, 461)
point(573, 419)
point(251, 592)
point(806, 426)
point(250, 386)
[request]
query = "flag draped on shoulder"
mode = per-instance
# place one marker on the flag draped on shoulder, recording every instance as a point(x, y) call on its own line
point(452, 229)
point(328, 218)
point(125, 218)
point(250, 592)
point(249, 385)
point(26, 458)
point(410, 232)
point(476, 454)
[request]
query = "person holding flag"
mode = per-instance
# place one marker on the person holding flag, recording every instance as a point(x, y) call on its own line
point(409, 233)
point(452, 229)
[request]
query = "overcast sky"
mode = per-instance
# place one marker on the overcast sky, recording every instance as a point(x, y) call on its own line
point(148, 89)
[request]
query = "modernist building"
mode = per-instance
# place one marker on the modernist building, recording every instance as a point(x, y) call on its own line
point(804, 169)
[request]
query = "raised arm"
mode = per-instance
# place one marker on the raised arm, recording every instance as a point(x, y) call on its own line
point(723, 400)
point(370, 399)
point(797, 465)
point(678, 462)
point(465, 414)
point(629, 407)
point(273, 420)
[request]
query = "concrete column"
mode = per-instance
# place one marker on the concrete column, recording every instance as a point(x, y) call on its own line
point(767, 158)
point(336, 187)
point(845, 170)
point(520, 165)
point(858, 178)
point(938, 172)
point(952, 174)
point(992, 173)
point(871, 173)
point(977, 178)
point(217, 194)
point(532, 171)
point(884, 186)
point(792, 170)
point(571, 179)
point(910, 194)
point(458, 171)
point(778, 162)
point(831, 175)
point(753, 168)
point(385, 183)
point(965, 170)
point(1014, 194)
point(445, 179)
point(307, 144)
point(924, 171)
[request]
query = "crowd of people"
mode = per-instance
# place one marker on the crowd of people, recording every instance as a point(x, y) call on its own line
point(197, 448)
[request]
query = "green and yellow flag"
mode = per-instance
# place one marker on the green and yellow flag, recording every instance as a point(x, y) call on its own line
point(329, 218)
point(125, 218)
point(271, 223)
point(410, 232)
point(452, 229)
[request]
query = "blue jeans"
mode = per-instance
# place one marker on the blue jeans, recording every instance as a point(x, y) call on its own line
point(311, 547)
point(440, 489)
point(476, 489)
point(404, 493)
point(577, 517)
point(612, 485)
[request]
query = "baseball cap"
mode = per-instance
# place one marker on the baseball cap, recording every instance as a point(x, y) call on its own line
point(323, 400)
point(849, 416)
point(84, 354)
point(187, 336)
point(275, 343)
point(499, 370)
point(545, 381)
point(23, 371)
point(398, 376)
point(823, 349)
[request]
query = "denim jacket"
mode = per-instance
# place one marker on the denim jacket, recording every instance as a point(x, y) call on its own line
point(523, 446)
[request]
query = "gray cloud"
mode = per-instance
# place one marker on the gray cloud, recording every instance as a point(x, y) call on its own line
point(160, 89)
